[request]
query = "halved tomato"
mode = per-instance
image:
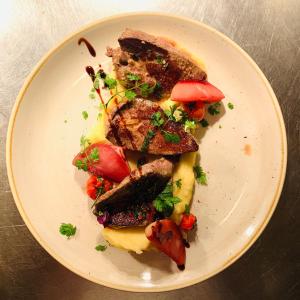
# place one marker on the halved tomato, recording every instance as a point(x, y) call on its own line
point(110, 162)
point(192, 90)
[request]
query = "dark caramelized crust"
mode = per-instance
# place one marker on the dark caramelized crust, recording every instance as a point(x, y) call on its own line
point(154, 59)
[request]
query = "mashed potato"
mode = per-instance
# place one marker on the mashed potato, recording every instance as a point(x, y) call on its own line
point(134, 239)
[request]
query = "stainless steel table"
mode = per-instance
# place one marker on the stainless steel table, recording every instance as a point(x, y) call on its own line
point(269, 30)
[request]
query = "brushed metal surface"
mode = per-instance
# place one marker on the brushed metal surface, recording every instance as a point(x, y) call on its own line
point(269, 30)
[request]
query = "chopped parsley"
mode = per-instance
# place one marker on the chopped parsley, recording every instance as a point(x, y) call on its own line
point(133, 77)
point(204, 123)
point(230, 105)
point(171, 137)
point(187, 209)
point(164, 202)
point(170, 112)
point(189, 125)
point(94, 155)
point(67, 229)
point(157, 120)
point(96, 82)
point(84, 143)
point(214, 109)
point(178, 183)
point(130, 95)
point(150, 135)
point(110, 82)
point(81, 164)
point(200, 175)
point(85, 115)
point(101, 247)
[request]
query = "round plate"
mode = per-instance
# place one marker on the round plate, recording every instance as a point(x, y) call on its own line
point(243, 152)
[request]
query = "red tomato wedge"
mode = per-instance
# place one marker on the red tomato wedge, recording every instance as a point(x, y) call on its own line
point(166, 237)
point(188, 221)
point(192, 90)
point(111, 163)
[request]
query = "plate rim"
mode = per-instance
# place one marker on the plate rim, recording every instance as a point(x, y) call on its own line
point(17, 199)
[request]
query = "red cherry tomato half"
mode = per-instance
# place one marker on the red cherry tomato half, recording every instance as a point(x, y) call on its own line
point(188, 221)
point(111, 163)
point(195, 110)
point(192, 90)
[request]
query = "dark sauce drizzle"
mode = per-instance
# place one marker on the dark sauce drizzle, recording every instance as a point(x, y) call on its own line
point(88, 45)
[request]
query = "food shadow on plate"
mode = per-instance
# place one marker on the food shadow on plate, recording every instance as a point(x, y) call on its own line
point(211, 119)
point(154, 259)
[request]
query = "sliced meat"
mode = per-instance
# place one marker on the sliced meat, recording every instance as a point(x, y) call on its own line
point(130, 126)
point(154, 59)
point(134, 195)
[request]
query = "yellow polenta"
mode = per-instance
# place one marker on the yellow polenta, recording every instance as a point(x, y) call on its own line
point(134, 239)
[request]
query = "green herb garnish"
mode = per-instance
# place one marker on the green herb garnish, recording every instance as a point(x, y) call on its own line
point(157, 120)
point(81, 164)
point(200, 175)
point(130, 95)
point(170, 112)
point(178, 183)
point(189, 125)
point(230, 105)
point(214, 109)
point(187, 209)
point(85, 115)
point(171, 137)
point(148, 138)
point(94, 155)
point(84, 143)
point(164, 202)
point(133, 77)
point(204, 123)
point(110, 82)
point(67, 229)
point(101, 247)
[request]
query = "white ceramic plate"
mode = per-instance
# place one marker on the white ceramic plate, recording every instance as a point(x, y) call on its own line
point(232, 210)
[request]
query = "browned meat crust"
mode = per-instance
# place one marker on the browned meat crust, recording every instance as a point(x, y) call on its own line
point(129, 126)
point(154, 59)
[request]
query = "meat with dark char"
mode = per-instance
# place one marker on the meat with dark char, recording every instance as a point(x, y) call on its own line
point(131, 123)
point(154, 59)
point(130, 203)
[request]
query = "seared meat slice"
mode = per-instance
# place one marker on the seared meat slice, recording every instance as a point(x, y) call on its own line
point(134, 195)
point(154, 59)
point(131, 127)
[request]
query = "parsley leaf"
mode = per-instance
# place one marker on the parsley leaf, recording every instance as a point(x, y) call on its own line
point(204, 123)
point(85, 115)
point(214, 109)
point(130, 95)
point(94, 155)
point(110, 82)
point(101, 247)
point(148, 138)
point(230, 105)
point(171, 137)
point(84, 143)
point(178, 183)
point(145, 89)
point(133, 77)
point(157, 120)
point(81, 164)
point(170, 112)
point(67, 229)
point(189, 124)
point(187, 209)
point(164, 202)
point(200, 175)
